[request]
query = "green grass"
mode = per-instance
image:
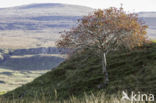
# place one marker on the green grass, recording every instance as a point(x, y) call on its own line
point(130, 71)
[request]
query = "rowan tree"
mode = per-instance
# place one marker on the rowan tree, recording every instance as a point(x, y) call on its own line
point(105, 31)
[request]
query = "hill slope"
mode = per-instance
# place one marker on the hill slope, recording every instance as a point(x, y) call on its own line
point(131, 71)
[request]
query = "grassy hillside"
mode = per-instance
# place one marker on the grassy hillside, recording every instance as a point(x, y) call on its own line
point(131, 71)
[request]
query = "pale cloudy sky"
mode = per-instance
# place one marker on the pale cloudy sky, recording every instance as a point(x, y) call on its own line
point(129, 5)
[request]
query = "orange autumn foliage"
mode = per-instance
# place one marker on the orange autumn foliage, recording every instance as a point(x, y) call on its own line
point(106, 30)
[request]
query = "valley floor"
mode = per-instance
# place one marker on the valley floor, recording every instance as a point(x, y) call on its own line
point(11, 79)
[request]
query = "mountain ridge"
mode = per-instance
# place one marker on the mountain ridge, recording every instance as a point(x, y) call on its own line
point(39, 24)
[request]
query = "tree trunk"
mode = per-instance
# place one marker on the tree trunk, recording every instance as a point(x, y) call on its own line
point(104, 68)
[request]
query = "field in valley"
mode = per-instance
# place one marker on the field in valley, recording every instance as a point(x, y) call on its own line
point(17, 70)
point(11, 79)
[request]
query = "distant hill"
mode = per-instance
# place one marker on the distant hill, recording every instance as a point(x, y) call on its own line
point(41, 16)
point(150, 20)
point(147, 14)
point(37, 25)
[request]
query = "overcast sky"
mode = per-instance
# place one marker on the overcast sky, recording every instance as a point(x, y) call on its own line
point(129, 5)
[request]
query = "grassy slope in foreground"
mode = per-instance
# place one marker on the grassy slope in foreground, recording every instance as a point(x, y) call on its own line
point(127, 71)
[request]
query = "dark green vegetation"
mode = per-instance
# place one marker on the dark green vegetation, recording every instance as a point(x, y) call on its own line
point(132, 71)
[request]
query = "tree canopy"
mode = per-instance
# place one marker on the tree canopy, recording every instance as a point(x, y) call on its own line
point(104, 31)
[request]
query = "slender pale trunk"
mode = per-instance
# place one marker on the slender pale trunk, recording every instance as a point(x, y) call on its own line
point(104, 68)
